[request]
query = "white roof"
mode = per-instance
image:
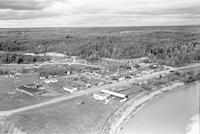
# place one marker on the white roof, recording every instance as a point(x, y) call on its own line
point(113, 93)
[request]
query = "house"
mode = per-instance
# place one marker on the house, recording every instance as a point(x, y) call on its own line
point(100, 96)
point(70, 89)
point(32, 89)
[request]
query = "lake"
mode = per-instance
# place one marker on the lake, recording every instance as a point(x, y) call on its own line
point(167, 114)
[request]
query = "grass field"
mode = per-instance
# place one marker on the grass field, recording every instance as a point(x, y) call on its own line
point(12, 101)
point(65, 117)
point(70, 116)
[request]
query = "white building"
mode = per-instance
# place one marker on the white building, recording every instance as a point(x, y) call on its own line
point(42, 78)
point(48, 81)
point(70, 89)
point(113, 93)
point(121, 78)
point(100, 96)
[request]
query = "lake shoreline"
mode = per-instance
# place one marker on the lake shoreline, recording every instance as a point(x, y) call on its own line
point(131, 107)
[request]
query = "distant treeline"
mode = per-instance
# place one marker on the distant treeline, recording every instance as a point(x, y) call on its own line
point(6, 58)
point(173, 47)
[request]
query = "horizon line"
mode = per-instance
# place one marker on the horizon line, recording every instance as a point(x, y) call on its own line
point(99, 26)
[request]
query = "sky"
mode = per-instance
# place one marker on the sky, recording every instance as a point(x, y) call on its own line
point(96, 13)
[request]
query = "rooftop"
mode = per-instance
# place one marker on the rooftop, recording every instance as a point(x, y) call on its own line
point(29, 89)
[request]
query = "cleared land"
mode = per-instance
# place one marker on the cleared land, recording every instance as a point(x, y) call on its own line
point(10, 99)
point(69, 116)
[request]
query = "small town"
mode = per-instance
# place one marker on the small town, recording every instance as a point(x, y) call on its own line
point(99, 66)
point(108, 82)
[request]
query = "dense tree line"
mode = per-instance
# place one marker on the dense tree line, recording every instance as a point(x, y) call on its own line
point(171, 46)
point(6, 58)
point(175, 54)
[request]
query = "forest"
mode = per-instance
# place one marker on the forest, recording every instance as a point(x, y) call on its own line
point(7, 58)
point(173, 46)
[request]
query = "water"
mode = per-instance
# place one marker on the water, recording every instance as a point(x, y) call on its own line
point(169, 114)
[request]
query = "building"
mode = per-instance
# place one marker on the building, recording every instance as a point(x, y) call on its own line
point(42, 78)
point(70, 89)
point(113, 93)
point(48, 81)
point(119, 78)
point(32, 90)
point(100, 96)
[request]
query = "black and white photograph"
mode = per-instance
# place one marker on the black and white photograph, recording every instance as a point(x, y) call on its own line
point(99, 66)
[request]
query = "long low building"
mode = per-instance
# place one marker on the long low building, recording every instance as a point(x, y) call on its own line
point(113, 93)
point(100, 96)
point(31, 90)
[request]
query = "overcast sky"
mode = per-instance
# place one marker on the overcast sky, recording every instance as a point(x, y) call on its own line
point(61, 13)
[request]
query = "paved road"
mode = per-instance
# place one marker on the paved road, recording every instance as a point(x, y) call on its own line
point(88, 91)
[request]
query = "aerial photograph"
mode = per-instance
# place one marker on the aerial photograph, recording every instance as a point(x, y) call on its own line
point(99, 66)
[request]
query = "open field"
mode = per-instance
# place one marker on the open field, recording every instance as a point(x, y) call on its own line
point(70, 116)
point(65, 117)
point(10, 99)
